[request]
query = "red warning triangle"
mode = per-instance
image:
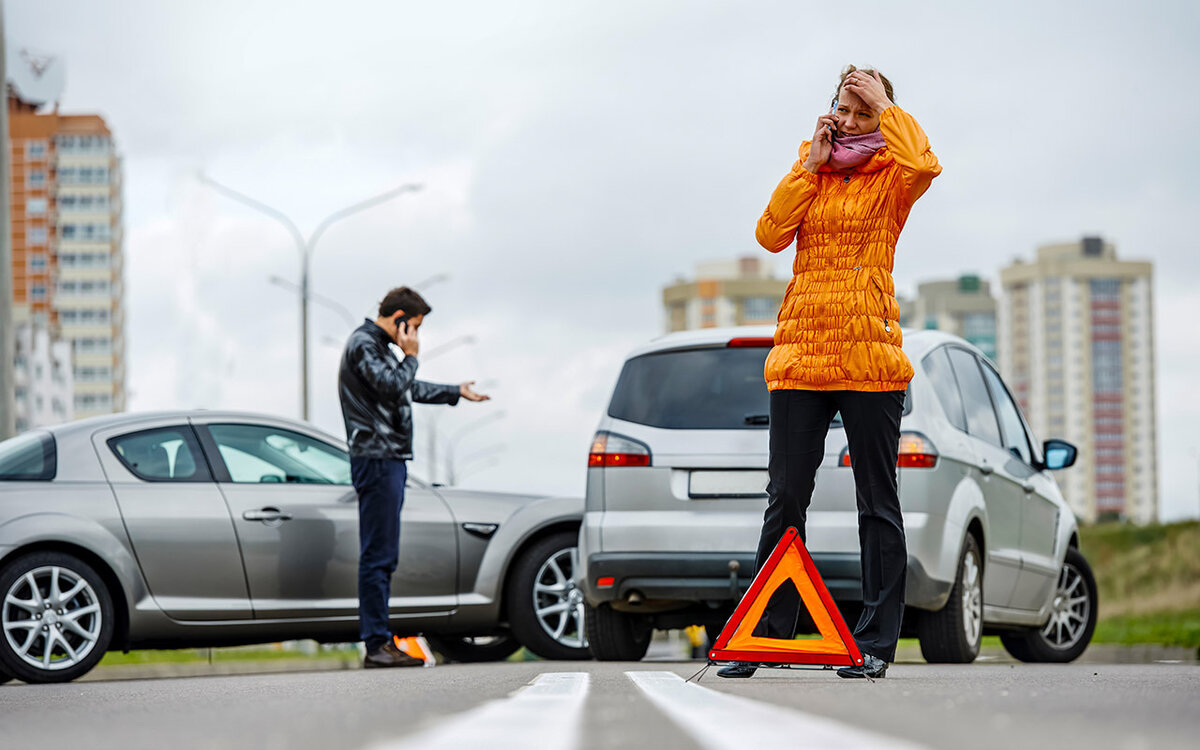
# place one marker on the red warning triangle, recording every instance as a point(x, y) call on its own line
point(789, 561)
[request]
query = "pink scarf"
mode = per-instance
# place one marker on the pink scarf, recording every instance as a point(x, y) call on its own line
point(851, 150)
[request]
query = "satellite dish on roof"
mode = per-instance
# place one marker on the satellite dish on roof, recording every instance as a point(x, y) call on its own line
point(35, 79)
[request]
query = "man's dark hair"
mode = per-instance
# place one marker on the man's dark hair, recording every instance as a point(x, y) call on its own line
point(403, 298)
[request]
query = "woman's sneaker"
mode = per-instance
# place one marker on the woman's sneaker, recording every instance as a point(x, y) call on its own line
point(872, 667)
point(738, 669)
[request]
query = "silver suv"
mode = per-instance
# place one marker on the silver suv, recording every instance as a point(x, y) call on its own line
point(676, 492)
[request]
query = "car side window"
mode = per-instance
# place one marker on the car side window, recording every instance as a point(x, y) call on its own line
point(1012, 430)
point(937, 367)
point(259, 454)
point(977, 405)
point(165, 454)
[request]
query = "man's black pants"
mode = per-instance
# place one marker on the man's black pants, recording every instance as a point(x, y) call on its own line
point(799, 423)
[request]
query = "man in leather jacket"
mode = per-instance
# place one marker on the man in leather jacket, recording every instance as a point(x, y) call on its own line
point(376, 392)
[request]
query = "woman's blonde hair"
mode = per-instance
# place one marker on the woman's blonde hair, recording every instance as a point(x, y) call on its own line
point(887, 85)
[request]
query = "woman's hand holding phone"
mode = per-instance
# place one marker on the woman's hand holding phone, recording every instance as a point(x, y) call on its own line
point(822, 142)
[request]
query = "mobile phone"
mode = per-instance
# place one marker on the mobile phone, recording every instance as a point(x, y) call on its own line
point(833, 111)
point(400, 321)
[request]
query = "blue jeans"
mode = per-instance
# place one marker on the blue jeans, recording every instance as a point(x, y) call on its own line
point(380, 486)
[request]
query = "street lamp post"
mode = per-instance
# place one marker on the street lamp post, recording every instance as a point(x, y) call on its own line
point(306, 247)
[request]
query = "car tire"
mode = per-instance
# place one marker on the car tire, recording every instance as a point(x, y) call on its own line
point(475, 649)
point(73, 606)
point(545, 606)
point(617, 636)
point(4, 677)
point(1072, 618)
point(952, 634)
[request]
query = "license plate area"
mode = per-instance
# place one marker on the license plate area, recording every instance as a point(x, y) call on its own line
point(727, 483)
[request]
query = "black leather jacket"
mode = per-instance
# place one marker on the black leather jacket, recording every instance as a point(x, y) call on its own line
point(377, 391)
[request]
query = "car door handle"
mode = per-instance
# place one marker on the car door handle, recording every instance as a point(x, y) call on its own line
point(267, 514)
point(985, 469)
point(1029, 488)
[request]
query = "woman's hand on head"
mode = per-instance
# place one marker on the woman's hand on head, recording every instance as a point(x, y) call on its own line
point(869, 88)
point(822, 143)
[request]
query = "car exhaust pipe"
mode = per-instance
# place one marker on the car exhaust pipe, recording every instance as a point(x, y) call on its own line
point(634, 599)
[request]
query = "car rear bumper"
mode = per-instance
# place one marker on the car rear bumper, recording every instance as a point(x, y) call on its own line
point(707, 577)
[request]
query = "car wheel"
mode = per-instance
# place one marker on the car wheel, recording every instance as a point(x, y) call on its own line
point(474, 649)
point(952, 634)
point(545, 607)
point(617, 636)
point(1072, 618)
point(56, 617)
point(4, 677)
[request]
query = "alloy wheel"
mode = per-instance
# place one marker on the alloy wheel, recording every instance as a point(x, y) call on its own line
point(1070, 611)
point(972, 599)
point(51, 618)
point(557, 600)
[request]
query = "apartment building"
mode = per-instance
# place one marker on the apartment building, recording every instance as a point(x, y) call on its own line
point(963, 306)
point(1076, 343)
point(67, 240)
point(42, 375)
point(724, 293)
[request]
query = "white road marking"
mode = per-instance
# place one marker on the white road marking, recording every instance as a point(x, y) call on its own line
point(719, 721)
point(545, 714)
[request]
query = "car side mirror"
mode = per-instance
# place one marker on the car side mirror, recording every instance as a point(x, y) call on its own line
point(1059, 454)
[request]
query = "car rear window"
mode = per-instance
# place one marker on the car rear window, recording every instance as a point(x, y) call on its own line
point(28, 458)
point(694, 389)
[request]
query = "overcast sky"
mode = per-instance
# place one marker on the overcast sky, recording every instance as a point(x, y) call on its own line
point(577, 156)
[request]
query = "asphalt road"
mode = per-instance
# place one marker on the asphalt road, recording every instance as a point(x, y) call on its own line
point(588, 705)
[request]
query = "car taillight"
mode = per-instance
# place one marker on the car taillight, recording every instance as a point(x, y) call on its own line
point(616, 450)
point(916, 452)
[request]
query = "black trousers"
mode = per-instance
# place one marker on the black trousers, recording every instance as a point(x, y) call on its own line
point(799, 423)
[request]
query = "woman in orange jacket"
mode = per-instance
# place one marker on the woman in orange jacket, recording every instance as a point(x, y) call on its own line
point(838, 343)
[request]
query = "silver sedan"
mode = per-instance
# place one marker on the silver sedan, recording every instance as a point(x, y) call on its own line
point(192, 529)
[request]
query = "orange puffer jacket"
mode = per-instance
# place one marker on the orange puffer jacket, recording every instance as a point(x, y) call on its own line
point(838, 326)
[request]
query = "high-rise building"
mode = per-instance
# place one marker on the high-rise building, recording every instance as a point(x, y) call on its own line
point(963, 306)
point(1076, 344)
point(65, 204)
point(42, 379)
point(724, 293)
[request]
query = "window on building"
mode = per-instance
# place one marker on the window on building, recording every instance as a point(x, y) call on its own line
point(35, 207)
point(760, 308)
point(37, 262)
point(35, 149)
point(37, 292)
point(37, 236)
point(1106, 290)
point(37, 178)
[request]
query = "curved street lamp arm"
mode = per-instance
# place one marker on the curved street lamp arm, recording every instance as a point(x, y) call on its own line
point(258, 206)
point(360, 206)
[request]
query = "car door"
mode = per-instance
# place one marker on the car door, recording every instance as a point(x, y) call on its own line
point(1002, 495)
point(176, 519)
point(1039, 513)
point(296, 515)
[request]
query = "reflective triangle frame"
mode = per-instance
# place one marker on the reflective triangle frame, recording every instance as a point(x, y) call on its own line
point(789, 561)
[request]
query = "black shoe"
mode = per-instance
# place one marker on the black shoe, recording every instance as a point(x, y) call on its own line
point(388, 655)
point(739, 669)
point(872, 667)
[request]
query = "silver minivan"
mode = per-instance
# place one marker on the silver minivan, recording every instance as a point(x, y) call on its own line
point(676, 492)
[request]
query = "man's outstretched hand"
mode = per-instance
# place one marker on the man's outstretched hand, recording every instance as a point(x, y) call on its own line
point(464, 390)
